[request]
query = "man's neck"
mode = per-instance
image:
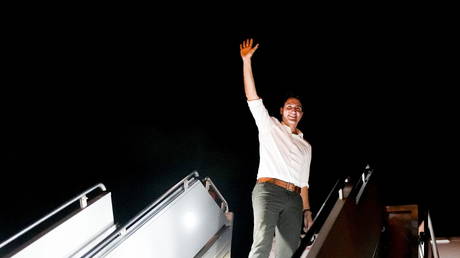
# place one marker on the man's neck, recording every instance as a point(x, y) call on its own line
point(293, 128)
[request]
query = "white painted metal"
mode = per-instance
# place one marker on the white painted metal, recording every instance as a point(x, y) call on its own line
point(180, 229)
point(49, 215)
point(210, 183)
point(79, 231)
point(433, 243)
point(186, 221)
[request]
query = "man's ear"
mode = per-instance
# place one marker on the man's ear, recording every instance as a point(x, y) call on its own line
point(281, 111)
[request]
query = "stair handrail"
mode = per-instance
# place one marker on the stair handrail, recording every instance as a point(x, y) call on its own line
point(319, 218)
point(133, 223)
point(337, 190)
point(82, 197)
point(183, 182)
point(209, 182)
point(433, 238)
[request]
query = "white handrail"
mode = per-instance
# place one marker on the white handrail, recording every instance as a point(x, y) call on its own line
point(433, 238)
point(82, 195)
point(144, 211)
point(130, 226)
point(209, 181)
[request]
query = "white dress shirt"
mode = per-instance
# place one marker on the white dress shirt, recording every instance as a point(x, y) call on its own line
point(283, 155)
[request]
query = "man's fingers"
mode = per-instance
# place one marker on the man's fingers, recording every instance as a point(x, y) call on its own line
point(248, 44)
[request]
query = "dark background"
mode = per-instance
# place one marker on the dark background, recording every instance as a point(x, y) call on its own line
point(137, 102)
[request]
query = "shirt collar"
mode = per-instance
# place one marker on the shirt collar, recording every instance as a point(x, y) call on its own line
point(288, 129)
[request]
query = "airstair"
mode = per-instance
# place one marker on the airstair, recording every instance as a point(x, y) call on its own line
point(354, 222)
point(192, 219)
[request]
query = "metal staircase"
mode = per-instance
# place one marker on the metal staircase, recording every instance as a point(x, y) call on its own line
point(191, 219)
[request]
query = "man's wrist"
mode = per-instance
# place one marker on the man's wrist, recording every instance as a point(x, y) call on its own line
point(306, 210)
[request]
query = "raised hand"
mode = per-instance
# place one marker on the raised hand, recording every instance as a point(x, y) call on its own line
point(247, 49)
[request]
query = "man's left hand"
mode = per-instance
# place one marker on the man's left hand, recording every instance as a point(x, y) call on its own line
point(307, 220)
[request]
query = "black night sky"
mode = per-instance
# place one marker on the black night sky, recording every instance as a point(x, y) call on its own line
point(138, 102)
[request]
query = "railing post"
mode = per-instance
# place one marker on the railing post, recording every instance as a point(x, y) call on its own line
point(341, 194)
point(83, 202)
point(185, 184)
point(433, 237)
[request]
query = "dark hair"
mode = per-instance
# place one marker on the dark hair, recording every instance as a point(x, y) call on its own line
point(291, 94)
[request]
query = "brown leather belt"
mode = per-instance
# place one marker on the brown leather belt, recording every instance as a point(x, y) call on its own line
point(288, 186)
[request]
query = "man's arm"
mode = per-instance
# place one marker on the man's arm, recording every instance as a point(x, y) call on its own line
point(307, 215)
point(246, 51)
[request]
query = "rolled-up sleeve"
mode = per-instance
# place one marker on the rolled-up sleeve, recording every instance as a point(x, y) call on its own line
point(260, 114)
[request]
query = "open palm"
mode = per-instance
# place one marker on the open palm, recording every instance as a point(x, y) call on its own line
point(246, 48)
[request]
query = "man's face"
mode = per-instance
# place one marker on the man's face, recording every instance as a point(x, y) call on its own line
point(292, 111)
